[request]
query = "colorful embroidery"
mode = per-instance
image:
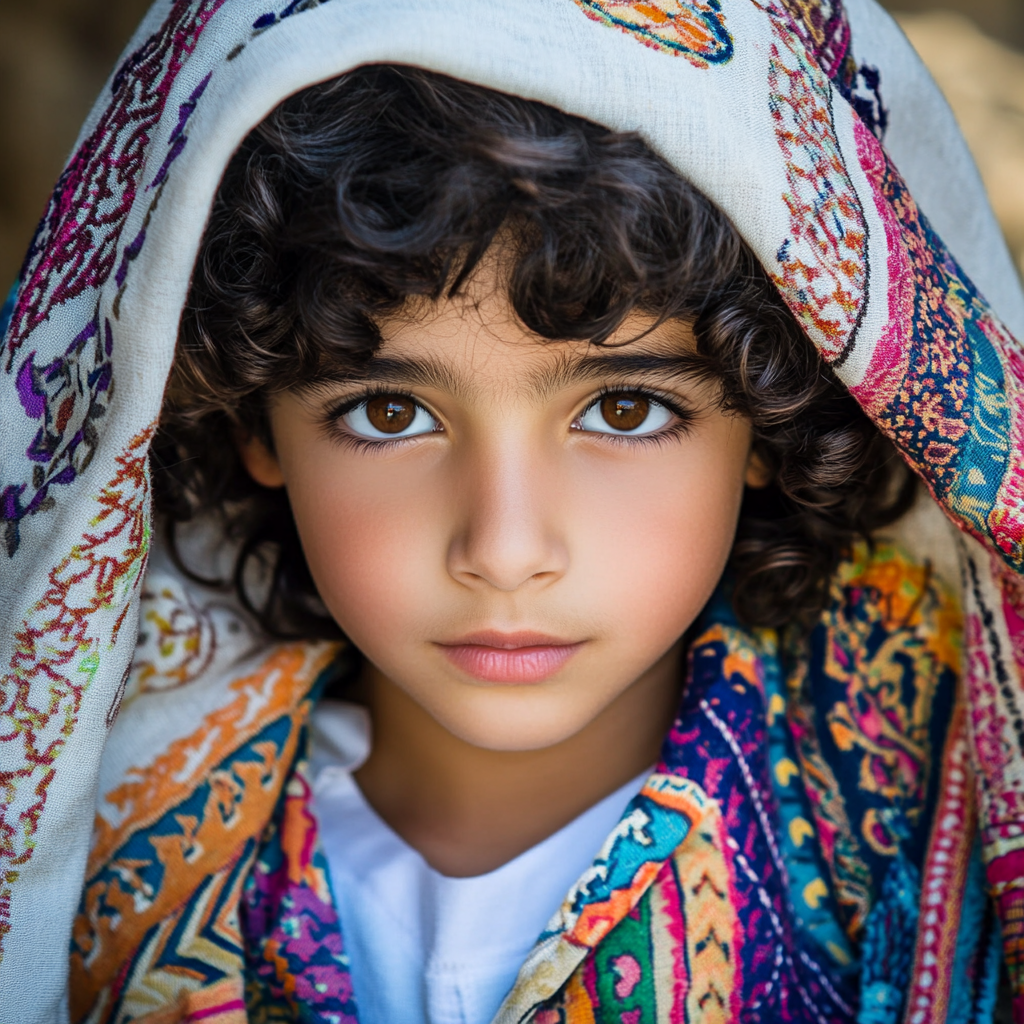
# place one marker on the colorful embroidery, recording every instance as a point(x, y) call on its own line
point(652, 827)
point(165, 873)
point(223, 1003)
point(997, 726)
point(944, 881)
point(711, 934)
point(824, 31)
point(177, 639)
point(207, 870)
point(296, 966)
point(694, 29)
point(810, 886)
point(945, 379)
point(822, 265)
point(69, 394)
point(692, 961)
point(75, 250)
point(823, 28)
point(945, 382)
point(869, 705)
point(58, 651)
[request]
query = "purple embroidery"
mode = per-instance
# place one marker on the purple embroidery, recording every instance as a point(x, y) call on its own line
point(76, 247)
point(74, 250)
point(178, 137)
point(292, 936)
point(31, 400)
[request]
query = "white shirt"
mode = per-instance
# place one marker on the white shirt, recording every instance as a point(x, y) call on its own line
point(425, 948)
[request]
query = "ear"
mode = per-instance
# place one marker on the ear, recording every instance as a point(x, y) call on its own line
point(758, 474)
point(259, 460)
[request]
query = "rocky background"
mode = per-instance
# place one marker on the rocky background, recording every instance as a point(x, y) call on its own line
point(56, 54)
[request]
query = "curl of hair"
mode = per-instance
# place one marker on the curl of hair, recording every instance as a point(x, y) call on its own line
point(390, 183)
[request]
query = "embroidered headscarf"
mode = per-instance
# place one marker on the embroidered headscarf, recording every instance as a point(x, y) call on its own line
point(811, 123)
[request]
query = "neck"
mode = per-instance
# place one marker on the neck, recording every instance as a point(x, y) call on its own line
point(468, 810)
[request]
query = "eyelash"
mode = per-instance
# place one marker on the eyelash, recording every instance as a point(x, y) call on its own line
point(684, 419)
point(340, 436)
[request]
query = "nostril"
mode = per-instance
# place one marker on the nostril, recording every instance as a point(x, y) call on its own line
point(474, 564)
point(509, 533)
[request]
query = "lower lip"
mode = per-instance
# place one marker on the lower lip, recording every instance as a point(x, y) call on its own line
point(518, 665)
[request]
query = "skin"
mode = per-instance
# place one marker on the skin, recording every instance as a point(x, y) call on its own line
point(509, 517)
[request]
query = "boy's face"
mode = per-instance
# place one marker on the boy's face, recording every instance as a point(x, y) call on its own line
point(514, 533)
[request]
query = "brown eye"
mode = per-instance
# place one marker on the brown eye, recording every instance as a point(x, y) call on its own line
point(624, 411)
point(389, 417)
point(391, 414)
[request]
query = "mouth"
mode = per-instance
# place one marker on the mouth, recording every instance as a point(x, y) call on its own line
point(495, 657)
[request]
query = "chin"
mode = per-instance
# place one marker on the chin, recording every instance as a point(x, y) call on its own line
point(523, 729)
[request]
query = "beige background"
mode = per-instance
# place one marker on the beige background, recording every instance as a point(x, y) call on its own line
point(56, 54)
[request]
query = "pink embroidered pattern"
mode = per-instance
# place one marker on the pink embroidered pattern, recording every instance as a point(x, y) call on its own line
point(945, 380)
point(993, 689)
point(75, 247)
point(942, 882)
point(825, 32)
point(823, 27)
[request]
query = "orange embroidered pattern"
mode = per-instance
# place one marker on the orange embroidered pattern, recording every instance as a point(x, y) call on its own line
point(694, 29)
point(188, 824)
point(823, 263)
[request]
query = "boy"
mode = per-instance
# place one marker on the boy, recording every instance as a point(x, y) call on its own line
point(515, 536)
point(505, 402)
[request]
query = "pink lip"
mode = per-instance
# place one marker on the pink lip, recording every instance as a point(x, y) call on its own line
point(509, 657)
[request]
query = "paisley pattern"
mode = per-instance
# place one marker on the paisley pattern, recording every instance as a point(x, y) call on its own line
point(694, 29)
point(76, 251)
point(869, 708)
point(823, 261)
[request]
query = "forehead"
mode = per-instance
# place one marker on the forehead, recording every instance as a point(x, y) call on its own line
point(474, 341)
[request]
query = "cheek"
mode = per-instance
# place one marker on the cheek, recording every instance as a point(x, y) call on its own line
point(367, 532)
point(656, 547)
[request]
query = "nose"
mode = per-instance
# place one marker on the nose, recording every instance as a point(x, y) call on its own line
point(506, 533)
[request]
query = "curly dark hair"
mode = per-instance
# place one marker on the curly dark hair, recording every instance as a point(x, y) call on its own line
point(387, 183)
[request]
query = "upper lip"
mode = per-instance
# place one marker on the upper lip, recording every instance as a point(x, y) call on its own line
point(508, 641)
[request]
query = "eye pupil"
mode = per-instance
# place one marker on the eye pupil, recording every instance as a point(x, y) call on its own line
point(390, 414)
point(624, 411)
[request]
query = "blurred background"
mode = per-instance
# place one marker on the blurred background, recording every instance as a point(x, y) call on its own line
point(56, 54)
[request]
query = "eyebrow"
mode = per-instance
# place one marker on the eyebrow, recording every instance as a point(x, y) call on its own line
point(681, 367)
point(569, 370)
point(424, 373)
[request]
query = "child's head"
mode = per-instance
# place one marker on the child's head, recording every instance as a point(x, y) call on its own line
point(514, 374)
